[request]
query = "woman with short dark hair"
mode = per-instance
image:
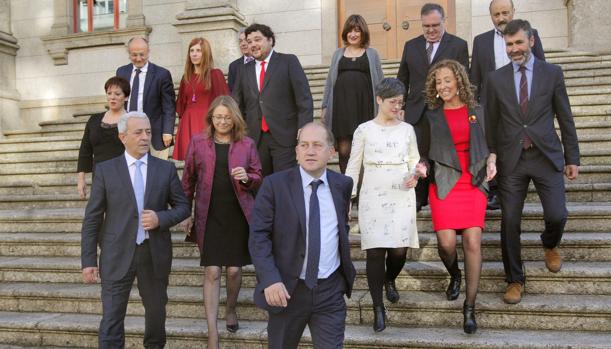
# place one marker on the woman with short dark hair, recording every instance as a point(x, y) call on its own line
point(349, 98)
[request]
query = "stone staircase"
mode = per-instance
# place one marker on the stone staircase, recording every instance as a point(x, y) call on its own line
point(43, 302)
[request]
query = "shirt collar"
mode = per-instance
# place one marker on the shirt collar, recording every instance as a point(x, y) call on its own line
point(498, 32)
point(529, 64)
point(143, 69)
point(245, 59)
point(130, 159)
point(306, 179)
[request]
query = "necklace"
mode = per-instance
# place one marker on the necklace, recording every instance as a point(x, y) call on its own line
point(216, 140)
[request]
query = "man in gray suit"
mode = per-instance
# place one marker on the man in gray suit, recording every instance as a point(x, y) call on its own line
point(135, 199)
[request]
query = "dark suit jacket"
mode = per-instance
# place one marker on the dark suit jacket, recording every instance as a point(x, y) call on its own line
point(111, 217)
point(483, 60)
point(234, 69)
point(505, 124)
point(159, 100)
point(285, 100)
point(414, 67)
point(277, 239)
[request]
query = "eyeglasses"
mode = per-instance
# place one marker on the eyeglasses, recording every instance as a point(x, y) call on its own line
point(396, 102)
point(226, 118)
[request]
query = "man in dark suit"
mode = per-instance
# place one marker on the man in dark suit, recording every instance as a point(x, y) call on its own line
point(300, 248)
point(275, 99)
point(489, 55)
point(128, 215)
point(236, 66)
point(419, 54)
point(522, 100)
point(152, 93)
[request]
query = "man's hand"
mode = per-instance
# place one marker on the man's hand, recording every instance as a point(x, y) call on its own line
point(167, 139)
point(571, 171)
point(81, 186)
point(276, 295)
point(150, 220)
point(90, 275)
point(187, 225)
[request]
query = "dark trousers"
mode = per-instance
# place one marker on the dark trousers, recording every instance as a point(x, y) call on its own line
point(274, 156)
point(422, 188)
point(513, 187)
point(323, 309)
point(115, 295)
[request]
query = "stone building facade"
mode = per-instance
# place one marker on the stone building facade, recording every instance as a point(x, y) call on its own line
point(47, 71)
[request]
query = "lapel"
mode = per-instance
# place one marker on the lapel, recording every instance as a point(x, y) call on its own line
point(126, 182)
point(421, 45)
point(489, 47)
point(150, 76)
point(251, 74)
point(515, 102)
point(296, 191)
point(271, 68)
point(336, 193)
point(536, 85)
point(151, 177)
point(445, 40)
point(443, 141)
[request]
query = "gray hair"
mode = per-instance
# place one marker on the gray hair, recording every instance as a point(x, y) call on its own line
point(134, 38)
point(122, 124)
point(430, 7)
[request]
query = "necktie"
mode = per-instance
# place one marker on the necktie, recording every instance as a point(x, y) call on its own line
point(429, 51)
point(526, 141)
point(264, 126)
point(133, 98)
point(311, 277)
point(139, 192)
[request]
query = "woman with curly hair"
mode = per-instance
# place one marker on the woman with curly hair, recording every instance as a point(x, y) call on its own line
point(454, 150)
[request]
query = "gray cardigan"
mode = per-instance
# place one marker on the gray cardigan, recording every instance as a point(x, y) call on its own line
point(375, 68)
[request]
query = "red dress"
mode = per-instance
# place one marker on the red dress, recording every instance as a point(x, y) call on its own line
point(192, 106)
point(465, 205)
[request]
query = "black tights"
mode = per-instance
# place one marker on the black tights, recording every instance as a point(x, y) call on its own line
point(471, 244)
point(376, 258)
point(344, 145)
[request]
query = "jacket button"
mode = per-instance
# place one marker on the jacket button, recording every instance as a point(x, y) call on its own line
point(525, 126)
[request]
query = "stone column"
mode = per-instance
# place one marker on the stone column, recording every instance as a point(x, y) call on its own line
point(588, 29)
point(218, 21)
point(9, 96)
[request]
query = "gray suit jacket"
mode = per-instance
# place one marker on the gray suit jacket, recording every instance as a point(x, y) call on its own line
point(111, 216)
point(375, 70)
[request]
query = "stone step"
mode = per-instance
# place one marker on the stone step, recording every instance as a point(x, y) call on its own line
point(576, 246)
point(562, 312)
point(584, 278)
point(80, 330)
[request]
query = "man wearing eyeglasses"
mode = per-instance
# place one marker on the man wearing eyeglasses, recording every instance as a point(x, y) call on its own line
point(419, 54)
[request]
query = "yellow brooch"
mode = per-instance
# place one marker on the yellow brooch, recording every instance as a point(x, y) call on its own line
point(472, 118)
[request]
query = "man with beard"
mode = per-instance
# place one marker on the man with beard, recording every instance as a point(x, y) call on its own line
point(522, 100)
point(275, 99)
point(488, 55)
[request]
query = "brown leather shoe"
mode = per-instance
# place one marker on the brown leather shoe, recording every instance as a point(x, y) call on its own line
point(513, 294)
point(553, 261)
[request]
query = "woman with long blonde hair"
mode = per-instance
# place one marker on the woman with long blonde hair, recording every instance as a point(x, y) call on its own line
point(201, 83)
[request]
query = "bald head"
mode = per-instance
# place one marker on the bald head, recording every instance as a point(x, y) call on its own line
point(501, 13)
point(317, 127)
point(138, 49)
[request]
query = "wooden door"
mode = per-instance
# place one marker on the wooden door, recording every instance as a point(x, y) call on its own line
point(391, 22)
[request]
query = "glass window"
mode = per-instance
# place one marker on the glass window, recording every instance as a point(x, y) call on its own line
point(94, 15)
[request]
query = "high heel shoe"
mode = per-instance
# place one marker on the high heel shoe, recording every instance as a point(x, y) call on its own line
point(453, 290)
point(469, 324)
point(379, 318)
point(391, 291)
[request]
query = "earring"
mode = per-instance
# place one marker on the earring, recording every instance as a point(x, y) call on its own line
point(457, 92)
point(437, 95)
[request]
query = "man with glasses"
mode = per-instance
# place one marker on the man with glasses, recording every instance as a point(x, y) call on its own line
point(419, 54)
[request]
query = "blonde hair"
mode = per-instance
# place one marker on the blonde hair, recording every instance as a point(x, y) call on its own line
point(465, 89)
point(205, 65)
point(239, 126)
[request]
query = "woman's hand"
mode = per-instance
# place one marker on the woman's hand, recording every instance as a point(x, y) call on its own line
point(187, 225)
point(421, 170)
point(81, 186)
point(411, 182)
point(239, 174)
point(490, 167)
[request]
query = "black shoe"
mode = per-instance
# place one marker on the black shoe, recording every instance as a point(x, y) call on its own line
point(233, 328)
point(469, 324)
point(391, 291)
point(493, 203)
point(379, 319)
point(453, 290)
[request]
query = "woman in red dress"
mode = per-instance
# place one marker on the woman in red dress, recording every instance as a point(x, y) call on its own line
point(454, 149)
point(200, 85)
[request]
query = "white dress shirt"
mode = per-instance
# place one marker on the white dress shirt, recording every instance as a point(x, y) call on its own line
point(142, 79)
point(329, 233)
point(131, 167)
point(258, 67)
point(500, 53)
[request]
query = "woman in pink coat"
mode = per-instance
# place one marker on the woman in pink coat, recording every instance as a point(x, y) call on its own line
point(222, 171)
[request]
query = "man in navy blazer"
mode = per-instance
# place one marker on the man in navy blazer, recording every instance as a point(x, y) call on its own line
point(238, 64)
point(154, 95)
point(135, 199)
point(300, 249)
point(523, 99)
point(489, 55)
point(437, 44)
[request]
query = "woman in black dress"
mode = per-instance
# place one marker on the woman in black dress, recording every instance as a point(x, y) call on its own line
point(101, 139)
point(349, 99)
point(222, 172)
